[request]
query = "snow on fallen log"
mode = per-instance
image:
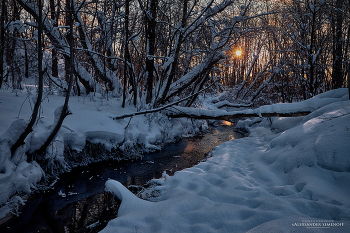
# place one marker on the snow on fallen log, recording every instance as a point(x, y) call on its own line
point(226, 103)
point(195, 113)
point(275, 110)
point(177, 112)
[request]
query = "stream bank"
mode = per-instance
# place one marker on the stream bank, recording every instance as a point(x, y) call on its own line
point(78, 203)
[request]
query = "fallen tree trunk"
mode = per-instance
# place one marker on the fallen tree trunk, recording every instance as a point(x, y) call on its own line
point(275, 110)
point(225, 103)
point(177, 112)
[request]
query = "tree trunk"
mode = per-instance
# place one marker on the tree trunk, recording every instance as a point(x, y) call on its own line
point(54, 58)
point(198, 86)
point(242, 85)
point(337, 74)
point(64, 112)
point(150, 47)
point(127, 59)
point(170, 77)
point(12, 45)
point(67, 67)
point(2, 39)
point(29, 128)
point(26, 61)
point(311, 80)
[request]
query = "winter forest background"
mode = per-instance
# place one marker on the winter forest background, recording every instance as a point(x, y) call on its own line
point(153, 54)
point(156, 52)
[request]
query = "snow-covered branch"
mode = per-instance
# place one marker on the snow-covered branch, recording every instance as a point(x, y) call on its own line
point(60, 43)
point(100, 67)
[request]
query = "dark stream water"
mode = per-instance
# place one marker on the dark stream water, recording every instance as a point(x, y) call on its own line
point(78, 202)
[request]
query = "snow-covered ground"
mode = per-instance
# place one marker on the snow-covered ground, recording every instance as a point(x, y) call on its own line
point(91, 121)
point(288, 175)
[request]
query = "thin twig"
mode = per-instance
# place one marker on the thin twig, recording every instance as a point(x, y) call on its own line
point(21, 106)
point(128, 123)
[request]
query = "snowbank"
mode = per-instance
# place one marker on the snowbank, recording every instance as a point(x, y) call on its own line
point(91, 121)
point(289, 175)
point(16, 174)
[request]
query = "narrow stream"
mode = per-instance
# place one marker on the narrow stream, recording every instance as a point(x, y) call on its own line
point(78, 202)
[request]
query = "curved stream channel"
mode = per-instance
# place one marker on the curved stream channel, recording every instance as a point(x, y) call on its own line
point(78, 202)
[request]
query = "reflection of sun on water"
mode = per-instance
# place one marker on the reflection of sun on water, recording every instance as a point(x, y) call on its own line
point(190, 146)
point(238, 52)
point(226, 123)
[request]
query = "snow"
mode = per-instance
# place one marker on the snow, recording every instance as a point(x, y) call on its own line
point(287, 171)
point(15, 177)
point(91, 120)
point(288, 175)
point(18, 24)
point(281, 108)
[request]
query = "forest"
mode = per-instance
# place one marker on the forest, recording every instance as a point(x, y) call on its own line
point(154, 53)
point(164, 60)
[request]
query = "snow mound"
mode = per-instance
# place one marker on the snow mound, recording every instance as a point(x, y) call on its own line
point(309, 147)
point(272, 181)
point(308, 105)
point(16, 174)
point(15, 178)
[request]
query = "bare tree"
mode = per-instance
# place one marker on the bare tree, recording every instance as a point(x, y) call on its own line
point(64, 111)
point(29, 128)
point(150, 18)
point(54, 17)
point(2, 39)
point(128, 67)
point(338, 44)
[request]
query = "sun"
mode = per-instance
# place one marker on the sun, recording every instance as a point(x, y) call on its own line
point(238, 52)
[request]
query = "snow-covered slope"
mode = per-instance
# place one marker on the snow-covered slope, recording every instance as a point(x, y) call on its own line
point(91, 120)
point(289, 175)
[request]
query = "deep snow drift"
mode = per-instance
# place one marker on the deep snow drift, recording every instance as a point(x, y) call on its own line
point(289, 175)
point(91, 120)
